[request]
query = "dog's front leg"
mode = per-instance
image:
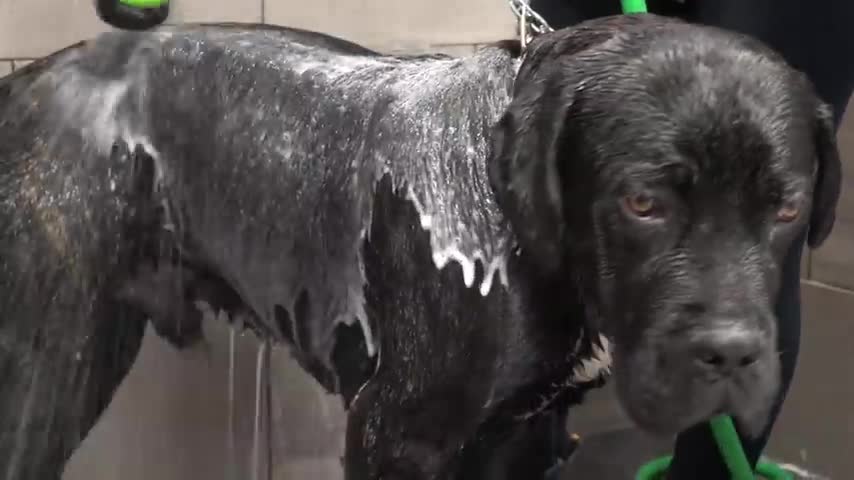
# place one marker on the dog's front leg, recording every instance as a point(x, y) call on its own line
point(391, 437)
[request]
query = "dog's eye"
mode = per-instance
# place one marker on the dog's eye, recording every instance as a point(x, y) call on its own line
point(640, 204)
point(788, 212)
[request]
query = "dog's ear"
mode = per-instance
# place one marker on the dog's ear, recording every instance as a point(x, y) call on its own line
point(525, 144)
point(524, 175)
point(828, 178)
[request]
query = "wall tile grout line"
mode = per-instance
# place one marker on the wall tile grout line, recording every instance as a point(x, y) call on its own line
point(827, 286)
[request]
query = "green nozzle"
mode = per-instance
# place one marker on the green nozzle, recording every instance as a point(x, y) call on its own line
point(634, 6)
point(145, 3)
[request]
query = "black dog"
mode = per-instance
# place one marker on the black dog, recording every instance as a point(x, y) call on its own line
point(455, 281)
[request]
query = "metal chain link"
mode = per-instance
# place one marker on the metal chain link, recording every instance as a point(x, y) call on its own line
point(531, 23)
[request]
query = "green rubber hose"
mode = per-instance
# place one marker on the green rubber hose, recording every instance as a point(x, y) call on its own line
point(144, 3)
point(729, 445)
point(634, 6)
point(654, 469)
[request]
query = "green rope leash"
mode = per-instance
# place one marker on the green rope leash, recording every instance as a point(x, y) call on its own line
point(144, 3)
point(729, 444)
point(723, 428)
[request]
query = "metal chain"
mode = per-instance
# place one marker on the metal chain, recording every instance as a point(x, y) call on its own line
point(531, 23)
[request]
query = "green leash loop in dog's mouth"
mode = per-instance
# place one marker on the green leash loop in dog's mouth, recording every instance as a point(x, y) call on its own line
point(722, 426)
point(732, 452)
point(729, 444)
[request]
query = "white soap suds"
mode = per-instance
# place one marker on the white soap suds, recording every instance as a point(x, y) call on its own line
point(597, 365)
point(442, 254)
point(591, 368)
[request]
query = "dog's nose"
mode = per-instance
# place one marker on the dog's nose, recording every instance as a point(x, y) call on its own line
point(727, 350)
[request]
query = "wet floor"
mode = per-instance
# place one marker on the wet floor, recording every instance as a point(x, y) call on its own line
point(171, 418)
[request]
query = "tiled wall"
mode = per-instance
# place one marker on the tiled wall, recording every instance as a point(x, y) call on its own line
point(834, 262)
point(32, 28)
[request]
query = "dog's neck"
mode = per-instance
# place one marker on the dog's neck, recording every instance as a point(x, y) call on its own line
point(571, 356)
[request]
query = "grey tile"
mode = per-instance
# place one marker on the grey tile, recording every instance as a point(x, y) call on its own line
point(845, 139)
point(380, 23)
point(834, 262)
point(215, 11)
point(34, 28)
point(20, 63)
point(600, 412)
point(816, 427)
point(806, 264)
point(170, 418)
point(310, 469)
point(456, 50)
point(308, 423)
point(411, 48)
point(401, 47)
point(614, 455)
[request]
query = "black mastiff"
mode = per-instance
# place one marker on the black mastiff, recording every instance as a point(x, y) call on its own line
point(457, 246)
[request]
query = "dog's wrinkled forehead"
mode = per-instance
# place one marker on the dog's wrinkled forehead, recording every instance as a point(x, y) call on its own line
point(729, 113)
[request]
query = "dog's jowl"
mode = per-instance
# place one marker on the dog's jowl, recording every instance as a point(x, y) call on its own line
point(456, 246)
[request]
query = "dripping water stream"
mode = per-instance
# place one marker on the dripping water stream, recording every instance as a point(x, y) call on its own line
point(261, 445)
point(268, 408)
point(232, 338)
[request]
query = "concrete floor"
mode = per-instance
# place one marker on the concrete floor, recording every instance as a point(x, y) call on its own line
point(170, 419)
